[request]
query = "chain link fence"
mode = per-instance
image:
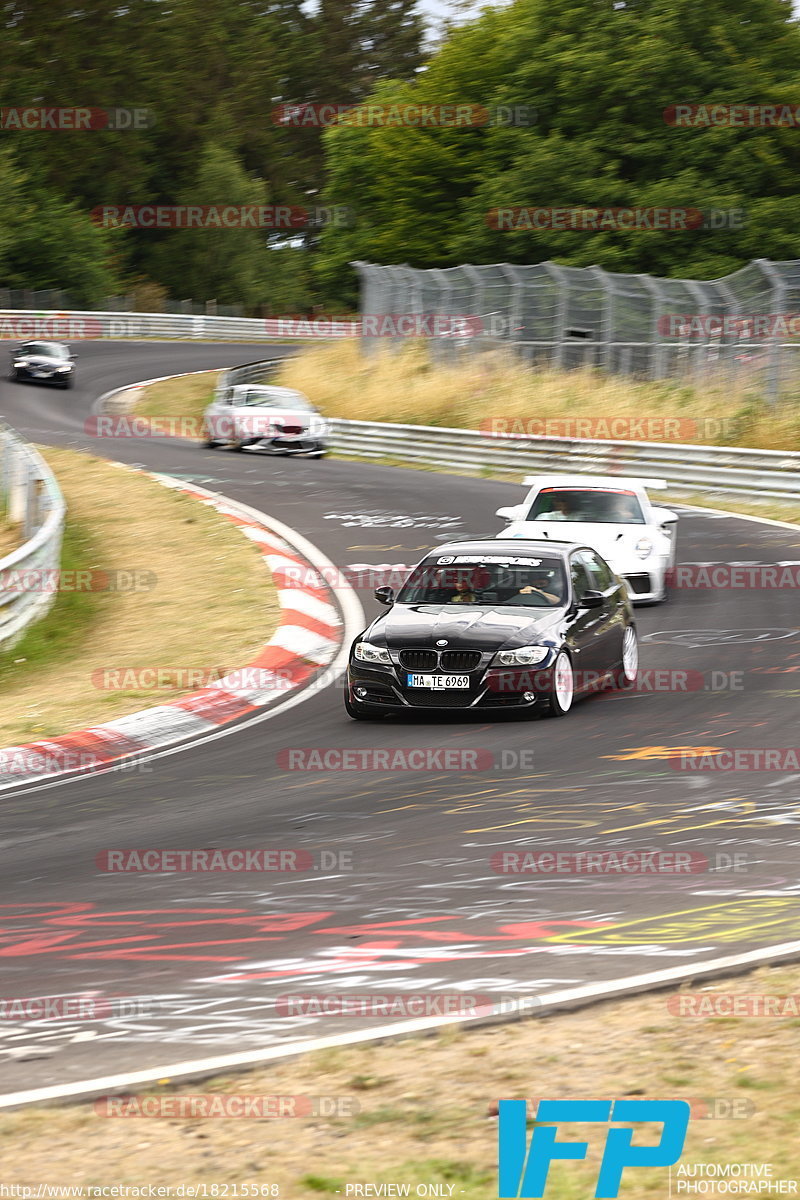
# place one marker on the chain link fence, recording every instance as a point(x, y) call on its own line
point(746, 324)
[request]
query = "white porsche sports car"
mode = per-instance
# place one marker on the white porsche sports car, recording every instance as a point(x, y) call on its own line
point(260, 416)
point(611, 514)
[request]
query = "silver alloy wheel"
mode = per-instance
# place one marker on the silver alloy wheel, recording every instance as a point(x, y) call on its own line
point(630, 655)
point(563, 682)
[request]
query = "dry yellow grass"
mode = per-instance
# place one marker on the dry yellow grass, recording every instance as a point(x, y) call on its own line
point(213, 604)
point(425, 1106)
point(10, 537)
point(183, 397)
point(405, 387)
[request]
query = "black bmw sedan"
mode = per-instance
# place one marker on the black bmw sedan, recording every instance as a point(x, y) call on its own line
point(495, 625)
point(45, 362)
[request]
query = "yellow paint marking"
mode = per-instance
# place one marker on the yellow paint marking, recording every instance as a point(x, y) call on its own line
point(714, 922)
point(661, 752)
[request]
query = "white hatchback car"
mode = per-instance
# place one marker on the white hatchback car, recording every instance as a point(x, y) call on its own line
point(276, 419)
point(611, 514)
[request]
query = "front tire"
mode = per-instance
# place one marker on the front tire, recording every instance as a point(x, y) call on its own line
point(625, 675)
point(558, 701)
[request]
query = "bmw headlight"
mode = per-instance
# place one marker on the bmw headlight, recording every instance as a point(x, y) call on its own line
point(65, 368)
point(366, 652)
point(20, 362)
point(526, 656)
point(643, 547)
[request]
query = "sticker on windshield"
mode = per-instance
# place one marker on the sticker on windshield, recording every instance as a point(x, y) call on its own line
point(501, 560)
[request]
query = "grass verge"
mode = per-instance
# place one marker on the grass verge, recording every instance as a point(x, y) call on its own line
point(425, 1106)
point(10, 537)
point(187, 396)
point(206, 602)
point(406, 387)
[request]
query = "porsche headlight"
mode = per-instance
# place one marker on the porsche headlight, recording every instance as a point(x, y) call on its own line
point(526, 656)
point(643, 547)
point(366, 652)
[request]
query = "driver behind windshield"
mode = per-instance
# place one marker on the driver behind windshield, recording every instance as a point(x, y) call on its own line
point(464, 593)
point(537, 585)
point(561, 510)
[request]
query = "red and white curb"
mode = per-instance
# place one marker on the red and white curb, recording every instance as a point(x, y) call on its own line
point(306, 646)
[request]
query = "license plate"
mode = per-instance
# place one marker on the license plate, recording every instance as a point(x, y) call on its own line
point(438, 683)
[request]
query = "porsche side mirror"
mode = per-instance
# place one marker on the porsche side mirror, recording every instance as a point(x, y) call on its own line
point(384, 595)
point(591, 600)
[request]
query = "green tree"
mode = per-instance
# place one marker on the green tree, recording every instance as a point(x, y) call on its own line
point(600, 76)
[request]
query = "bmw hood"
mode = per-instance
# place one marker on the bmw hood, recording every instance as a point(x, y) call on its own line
point(424, 626)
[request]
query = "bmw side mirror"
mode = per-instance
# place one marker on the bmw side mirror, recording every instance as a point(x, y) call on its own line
point(591, 600)
point(508, 514)
point(384, 595)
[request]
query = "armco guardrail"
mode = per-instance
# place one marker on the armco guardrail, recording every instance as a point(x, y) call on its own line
point(761, 473)
point(20, 325)
point(32, 501)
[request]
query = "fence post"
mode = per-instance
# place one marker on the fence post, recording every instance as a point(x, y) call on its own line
point(607, 317)
point(778, 296)
point(560, 327)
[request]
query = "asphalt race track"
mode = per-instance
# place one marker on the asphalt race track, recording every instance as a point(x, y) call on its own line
point(412, 902)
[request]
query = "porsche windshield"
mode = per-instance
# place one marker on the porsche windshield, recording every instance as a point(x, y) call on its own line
point(518, 583)
point(594, 505)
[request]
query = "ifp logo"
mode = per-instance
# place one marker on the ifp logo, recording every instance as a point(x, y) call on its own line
point(523, 1169)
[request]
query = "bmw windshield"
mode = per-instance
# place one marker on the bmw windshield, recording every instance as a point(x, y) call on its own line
point(518, 583)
